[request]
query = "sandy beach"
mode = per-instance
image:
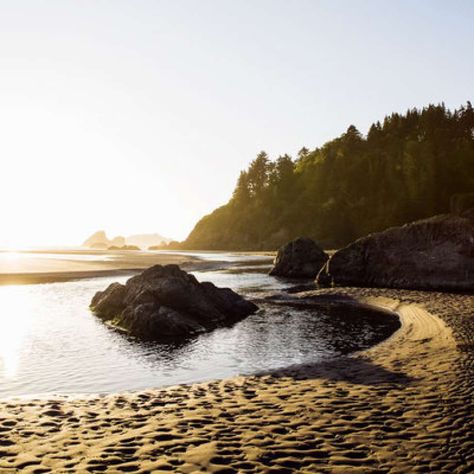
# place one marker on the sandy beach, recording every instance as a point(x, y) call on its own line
point(402, 406)
point(237, 237)
point(31, 267)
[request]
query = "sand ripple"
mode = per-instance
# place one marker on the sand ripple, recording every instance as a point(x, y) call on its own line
point(404, 406)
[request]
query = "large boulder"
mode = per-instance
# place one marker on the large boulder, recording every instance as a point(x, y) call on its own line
point(165, 301)
point(300, 258)
point(431, 254)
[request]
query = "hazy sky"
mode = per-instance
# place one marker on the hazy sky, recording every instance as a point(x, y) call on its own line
point(137, 116)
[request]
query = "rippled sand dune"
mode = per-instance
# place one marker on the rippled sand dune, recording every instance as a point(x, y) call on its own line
point(403, 406)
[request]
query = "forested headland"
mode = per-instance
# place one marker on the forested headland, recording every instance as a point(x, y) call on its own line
point(407, 167)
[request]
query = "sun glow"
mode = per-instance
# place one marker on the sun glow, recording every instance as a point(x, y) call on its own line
point(138, 118)
point(11, 255)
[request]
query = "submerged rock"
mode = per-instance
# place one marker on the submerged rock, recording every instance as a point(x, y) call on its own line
point(300, 258)
point(165, 301)
point(431, 254)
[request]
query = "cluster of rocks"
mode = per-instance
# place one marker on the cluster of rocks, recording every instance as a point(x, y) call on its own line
point(166, 302)
point(429, 254)
point(99, 241)
point(124, 247)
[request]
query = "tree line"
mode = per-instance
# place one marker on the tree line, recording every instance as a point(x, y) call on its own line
point(407, 167)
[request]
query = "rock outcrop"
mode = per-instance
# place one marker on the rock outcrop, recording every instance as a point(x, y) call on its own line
point(431, 254)
point(300, 258)
point(166, 302)
point(99, 240)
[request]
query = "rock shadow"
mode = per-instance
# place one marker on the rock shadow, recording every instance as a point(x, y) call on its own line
point(354, 370)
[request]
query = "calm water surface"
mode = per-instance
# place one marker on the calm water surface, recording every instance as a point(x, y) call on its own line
point(50, 343)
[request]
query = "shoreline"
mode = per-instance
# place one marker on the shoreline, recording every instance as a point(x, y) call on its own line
point(114, 264)
point(338, 303)
point(404, 405)
point(60, 277)
point(63, 267)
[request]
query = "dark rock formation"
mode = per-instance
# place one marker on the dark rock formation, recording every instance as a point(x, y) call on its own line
point(165, 301)
point(433, 254)
point(300, 258)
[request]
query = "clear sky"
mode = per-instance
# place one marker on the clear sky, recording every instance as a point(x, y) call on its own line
point(137, 116)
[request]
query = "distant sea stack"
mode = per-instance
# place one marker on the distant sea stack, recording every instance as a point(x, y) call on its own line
point(300, 258)
point(99, 240)
point(145, 241)
point(124, 247)
point(166, 302)
point(429, 254)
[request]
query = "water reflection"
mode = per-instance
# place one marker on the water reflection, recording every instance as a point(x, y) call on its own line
point(16, 315)
point(51, 343)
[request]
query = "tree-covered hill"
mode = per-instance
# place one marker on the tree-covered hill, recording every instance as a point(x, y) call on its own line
point(407, 167)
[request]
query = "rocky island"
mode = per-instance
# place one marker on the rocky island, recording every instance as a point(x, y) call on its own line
point(99, 241)
point(124, 247)
point(167, 302)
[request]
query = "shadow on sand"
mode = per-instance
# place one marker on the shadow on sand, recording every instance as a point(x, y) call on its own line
point(354, 370)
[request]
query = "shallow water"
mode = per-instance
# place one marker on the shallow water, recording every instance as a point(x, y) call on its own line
point(50, 343)
point(7, 257)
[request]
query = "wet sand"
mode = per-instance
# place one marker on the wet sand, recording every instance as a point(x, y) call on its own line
point(68, 265)
point(402, 406)
point(32, 267)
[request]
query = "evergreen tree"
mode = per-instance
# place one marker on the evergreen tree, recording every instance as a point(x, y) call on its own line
point(408, 167)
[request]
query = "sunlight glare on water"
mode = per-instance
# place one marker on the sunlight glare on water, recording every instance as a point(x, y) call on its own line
point(17, 315)
point(50, 342)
